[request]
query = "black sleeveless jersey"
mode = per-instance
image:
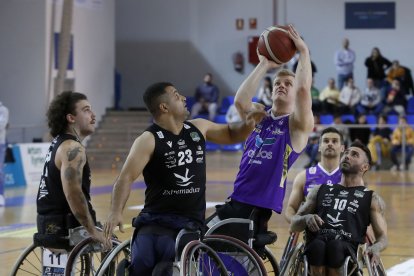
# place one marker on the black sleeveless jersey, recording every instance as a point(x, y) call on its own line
point(176, 173)
point(345, 211)
point(51, 199)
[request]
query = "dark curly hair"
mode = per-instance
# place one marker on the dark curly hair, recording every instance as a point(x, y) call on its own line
point(62, 104)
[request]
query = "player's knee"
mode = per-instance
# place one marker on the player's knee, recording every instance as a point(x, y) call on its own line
point(315, 252)
point(335, 253)
point(165, 248)
point(142, 257)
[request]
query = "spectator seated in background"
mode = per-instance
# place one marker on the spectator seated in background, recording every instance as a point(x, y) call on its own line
point(403, 74)
point(396, 72)
point(371, 101)
point(361, 133)
point(316, 103)
point(329, 98)
point(396, 141)
point(380, 143)
point(395, 100)
point(206, 98)
point(349, 97)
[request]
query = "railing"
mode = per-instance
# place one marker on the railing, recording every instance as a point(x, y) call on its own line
point(25, 133)
point(373, 126)
point(30, 133)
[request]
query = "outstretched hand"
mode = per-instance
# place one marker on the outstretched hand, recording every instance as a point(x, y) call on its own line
point(297, 39)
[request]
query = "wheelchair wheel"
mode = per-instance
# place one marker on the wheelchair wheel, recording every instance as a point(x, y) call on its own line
point(374, 269)
point(295, 263)
point(270, 263)
point(29, 262)
point(118, 255)
point(379, 269)
point(85, 258)
point(199, 259)
point(237, 256)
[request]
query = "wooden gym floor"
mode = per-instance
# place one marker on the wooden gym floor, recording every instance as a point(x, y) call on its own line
point(17, 222)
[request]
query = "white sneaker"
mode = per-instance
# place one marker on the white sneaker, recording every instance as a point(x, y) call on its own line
point(395, 168)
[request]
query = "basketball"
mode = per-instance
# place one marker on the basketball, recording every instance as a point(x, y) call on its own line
point(275, 44)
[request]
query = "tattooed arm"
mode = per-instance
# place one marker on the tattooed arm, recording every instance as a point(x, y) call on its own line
point(305, 217)
point(71, 158)
point(379, 225)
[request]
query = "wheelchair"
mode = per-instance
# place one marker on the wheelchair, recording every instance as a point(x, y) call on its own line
point(294, 261)
point(49, 255)
point(193, 257)
point(243, 230)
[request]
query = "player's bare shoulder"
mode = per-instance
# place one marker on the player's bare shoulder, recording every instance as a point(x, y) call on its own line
point(69, 151)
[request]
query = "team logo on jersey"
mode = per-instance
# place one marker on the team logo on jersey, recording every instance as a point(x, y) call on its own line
point(160, 134)
point(169, 143)
point(280, 122)
point(351, 210)
point(195, 136)
point(183, 180)
point(359, 194)
point(200, 159)
point(266, 142)
point(277, 131)
point(312, 170)
point(327, 202)
point(42, 188)
point(186, 126)
point(354, 203)
point(171, 162)
point(258, 128)
point(343, 194)
point(335, 222)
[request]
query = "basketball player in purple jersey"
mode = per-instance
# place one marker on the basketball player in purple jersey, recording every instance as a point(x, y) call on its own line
point(331, 145)
point(276, 142)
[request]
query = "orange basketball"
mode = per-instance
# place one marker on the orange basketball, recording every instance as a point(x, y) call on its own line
point(275, 44)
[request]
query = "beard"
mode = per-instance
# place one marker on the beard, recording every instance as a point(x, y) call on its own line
point(347, 169)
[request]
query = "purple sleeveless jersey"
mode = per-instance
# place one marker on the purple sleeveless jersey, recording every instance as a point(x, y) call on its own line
point(267, 157)
point(318, 175)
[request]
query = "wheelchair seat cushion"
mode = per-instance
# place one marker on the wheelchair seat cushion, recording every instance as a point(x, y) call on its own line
point(52, 241)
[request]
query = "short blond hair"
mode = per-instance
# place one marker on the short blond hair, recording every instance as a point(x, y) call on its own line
point(284, 73)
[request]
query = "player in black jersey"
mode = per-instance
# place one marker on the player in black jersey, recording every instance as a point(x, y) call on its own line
point(171, 156)
point(63, 199)
point(336, 217)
